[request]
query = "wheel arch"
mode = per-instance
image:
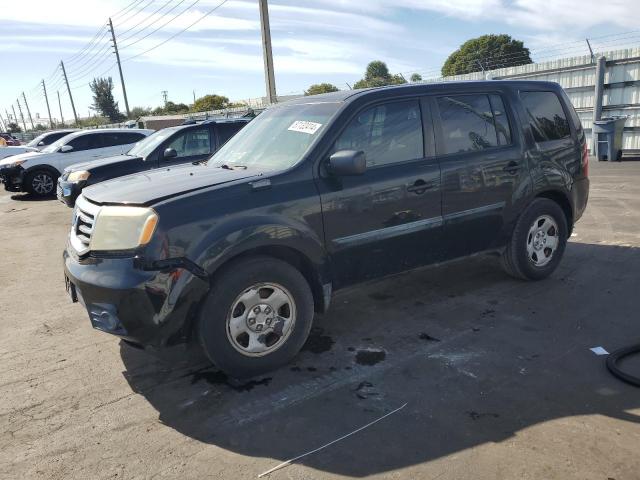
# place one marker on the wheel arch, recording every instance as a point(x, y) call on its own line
point(312, 273)
point(565, 204)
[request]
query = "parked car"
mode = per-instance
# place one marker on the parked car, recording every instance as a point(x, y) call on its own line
point(164, 148)
point(321, 193)
point(38, 172)
point(48, 138)
point(11, 151)
point(10, 139)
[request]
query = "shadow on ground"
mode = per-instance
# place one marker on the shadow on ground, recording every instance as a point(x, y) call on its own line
point(476, 356)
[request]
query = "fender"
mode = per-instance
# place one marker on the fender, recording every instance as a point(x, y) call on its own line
point(235, 237)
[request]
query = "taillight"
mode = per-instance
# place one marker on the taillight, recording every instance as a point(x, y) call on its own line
point(585, 159)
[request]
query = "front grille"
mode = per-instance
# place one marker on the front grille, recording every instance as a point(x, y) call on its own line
point(84, 215)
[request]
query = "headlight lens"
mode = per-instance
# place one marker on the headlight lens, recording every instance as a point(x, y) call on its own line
point(78, 176)
point(17, 162)
point(123, 228)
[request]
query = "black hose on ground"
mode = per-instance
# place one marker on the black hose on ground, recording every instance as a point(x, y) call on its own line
point(613, 360)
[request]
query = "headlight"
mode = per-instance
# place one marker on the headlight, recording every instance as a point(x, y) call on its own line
point(16, 163)
point(123, 228)
point(78, 176)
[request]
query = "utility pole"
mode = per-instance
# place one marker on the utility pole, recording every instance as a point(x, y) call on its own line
point(4, 124)
point(21, 115)
point(46, 99)
point(194, 101)
point(15, 117)
point(164, 97)
point(267, 54)
point(66, 80)
point(115, 49)
point(593, 57)
point(60, 105)
point(8, 116)
point(33, 127)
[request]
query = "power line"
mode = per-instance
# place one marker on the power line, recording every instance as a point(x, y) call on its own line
point(127, 37)
point(145, 18)
point(126, 9)
point(136, 13)
point(179, 32)
point(160, 27)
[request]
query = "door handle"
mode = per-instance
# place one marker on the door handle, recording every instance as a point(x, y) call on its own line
point(419, 186)
point(512, 168)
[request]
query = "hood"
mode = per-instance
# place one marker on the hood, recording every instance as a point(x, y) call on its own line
point(20, 156)
point(156, 185)
point(101, 162)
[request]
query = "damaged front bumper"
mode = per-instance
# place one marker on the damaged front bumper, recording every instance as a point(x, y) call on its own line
point(12, 178)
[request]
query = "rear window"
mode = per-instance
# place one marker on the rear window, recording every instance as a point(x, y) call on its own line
point(469, 125)
point(546, 116)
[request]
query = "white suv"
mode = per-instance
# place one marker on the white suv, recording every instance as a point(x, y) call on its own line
point(37, 172)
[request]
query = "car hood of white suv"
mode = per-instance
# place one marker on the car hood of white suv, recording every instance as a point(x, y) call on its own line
point(21, 156)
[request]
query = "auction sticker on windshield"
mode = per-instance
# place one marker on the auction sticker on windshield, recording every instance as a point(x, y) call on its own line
point(304, 127)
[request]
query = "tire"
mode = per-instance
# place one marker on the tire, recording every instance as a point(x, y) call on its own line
point(243, 343)
point(41, 183)
point(529, 255)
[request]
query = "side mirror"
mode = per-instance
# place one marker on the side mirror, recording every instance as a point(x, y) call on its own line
point(347, 162)
point(40, 144)
point(170, 153)
point(66, 148)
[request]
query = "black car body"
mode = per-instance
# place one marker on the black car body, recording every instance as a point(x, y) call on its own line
point(451, 170)
point(167, 147)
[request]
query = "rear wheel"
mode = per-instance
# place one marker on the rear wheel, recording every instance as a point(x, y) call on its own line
point(538, 241)
point(41, 183)
point(256, 317)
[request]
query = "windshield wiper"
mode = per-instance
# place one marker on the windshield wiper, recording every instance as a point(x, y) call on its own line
point(229, 167)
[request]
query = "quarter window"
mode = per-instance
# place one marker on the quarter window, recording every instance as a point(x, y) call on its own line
point(192, 142)
point(387, 133)
point(546, 116)
point(468, 123)
point(227, 130)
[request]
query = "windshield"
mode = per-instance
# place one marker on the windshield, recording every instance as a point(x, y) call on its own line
point(36, 141)
point(277, 139)
point(148, 144)
point(56, 145)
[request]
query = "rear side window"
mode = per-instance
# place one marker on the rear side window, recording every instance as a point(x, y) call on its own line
point(113, 139)
point(546, 116)
point(130, 137)
point(468, 123)
point(387, 133)
point(227, 130)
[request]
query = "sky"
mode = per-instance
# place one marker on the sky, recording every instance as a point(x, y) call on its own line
point(313, 41)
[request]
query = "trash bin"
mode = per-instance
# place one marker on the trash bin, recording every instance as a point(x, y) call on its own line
point(608, 138)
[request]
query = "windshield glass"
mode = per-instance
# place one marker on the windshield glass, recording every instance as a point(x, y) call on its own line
point(36, 141)
point(148, 144)
point(56, 145)
point(277, 139)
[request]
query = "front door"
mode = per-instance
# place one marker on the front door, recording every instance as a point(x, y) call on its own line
point(389, 218)
point(483, 169)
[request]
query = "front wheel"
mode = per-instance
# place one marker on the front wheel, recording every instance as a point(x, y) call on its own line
point(256, 317)
point(538, 241)
point(41, 183)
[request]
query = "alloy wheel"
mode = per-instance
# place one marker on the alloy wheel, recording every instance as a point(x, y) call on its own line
point(542, 240)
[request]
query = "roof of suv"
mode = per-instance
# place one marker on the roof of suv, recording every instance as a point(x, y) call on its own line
point(344, 95)
point(80, 133)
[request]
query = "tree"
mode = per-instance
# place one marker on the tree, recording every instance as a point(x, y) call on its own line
point(318, 88)
point(40, 127)
point(103, 100)
point(377, 75)
point(137, 112)
point(13, 127)
point(416, 77)
point(486, 53)
point(210, 102)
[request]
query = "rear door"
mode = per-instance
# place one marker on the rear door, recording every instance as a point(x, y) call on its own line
point(483, 168)
point(389, 218)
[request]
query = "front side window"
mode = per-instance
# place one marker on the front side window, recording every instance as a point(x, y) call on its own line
point(148, 144)
point(467, 123)
point(80, 143)
point(546, 116)
point(191, 143)
point(386, 133)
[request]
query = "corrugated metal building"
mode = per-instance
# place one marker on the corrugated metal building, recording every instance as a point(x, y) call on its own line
point(577, 75)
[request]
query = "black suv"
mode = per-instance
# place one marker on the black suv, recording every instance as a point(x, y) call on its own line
point(187, 143)
point(324, 192)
